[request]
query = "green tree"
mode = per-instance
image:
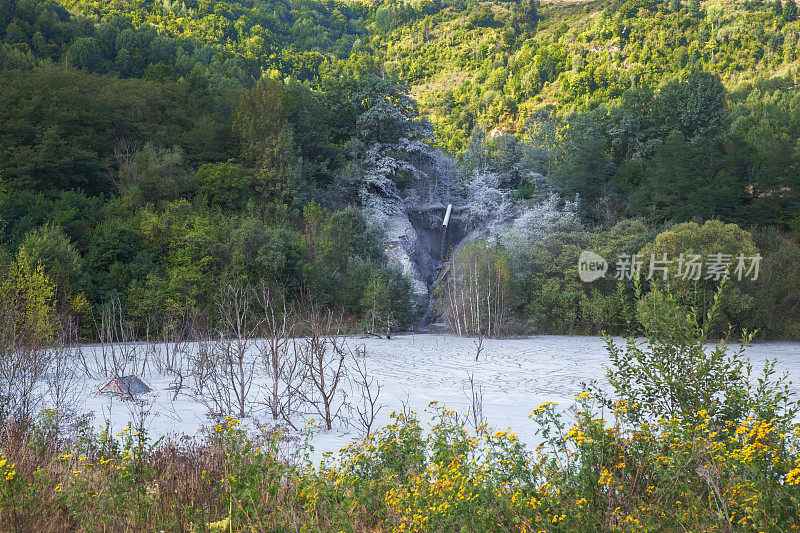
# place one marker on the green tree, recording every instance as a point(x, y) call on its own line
point(694, 105)
point(347, 234)
point(262, 254)
point(777, 289)
point(714, 242)
point(28, 330)
point(583, 164)
point(50, 248)
point(371, 109)
point(78, 215)
point(224, 185)
point(28, 301)
point(152, 175)
point(190, 244)
point(387, 301)
point(85, 53)
point(790, 11)
point(267, 139)
point(118, 259)
point(703, 178)
point(7, 8)
point(349, 251)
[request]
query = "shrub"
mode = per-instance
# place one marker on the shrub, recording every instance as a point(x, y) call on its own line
point(674, 374)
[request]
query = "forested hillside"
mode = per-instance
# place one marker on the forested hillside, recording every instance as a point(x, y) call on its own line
point(152, 151)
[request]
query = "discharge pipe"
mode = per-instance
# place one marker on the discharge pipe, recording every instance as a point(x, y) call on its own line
point(447, 215)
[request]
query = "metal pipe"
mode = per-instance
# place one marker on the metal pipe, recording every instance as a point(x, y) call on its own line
point(447, 214)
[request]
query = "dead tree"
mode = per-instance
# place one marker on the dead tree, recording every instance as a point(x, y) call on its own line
point(322, 355)
point(475, 398)
point(173, 352)
point(201, 363)
point(276, 349)
point(367, 407)
point(21, 371)
point(478, 346)
point(64, 386)
point(118, 351)
point(292, 378)
point(235, 365)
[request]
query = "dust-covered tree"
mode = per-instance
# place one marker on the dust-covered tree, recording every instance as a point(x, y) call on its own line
point(472, 296)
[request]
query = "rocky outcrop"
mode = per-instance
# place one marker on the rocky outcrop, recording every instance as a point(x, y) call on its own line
point(412, 215)
point(419, 244)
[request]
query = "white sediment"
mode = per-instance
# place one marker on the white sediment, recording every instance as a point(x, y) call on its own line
point(516, 375)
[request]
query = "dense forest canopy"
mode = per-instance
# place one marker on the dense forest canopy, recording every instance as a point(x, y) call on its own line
point(150, 150)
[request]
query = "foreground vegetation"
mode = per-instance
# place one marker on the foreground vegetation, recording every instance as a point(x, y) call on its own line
point(598, 476)
point(686, 439)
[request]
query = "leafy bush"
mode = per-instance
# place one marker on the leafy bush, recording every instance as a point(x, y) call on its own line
point(673, 373)
point(224, 185)
point(707, 240)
